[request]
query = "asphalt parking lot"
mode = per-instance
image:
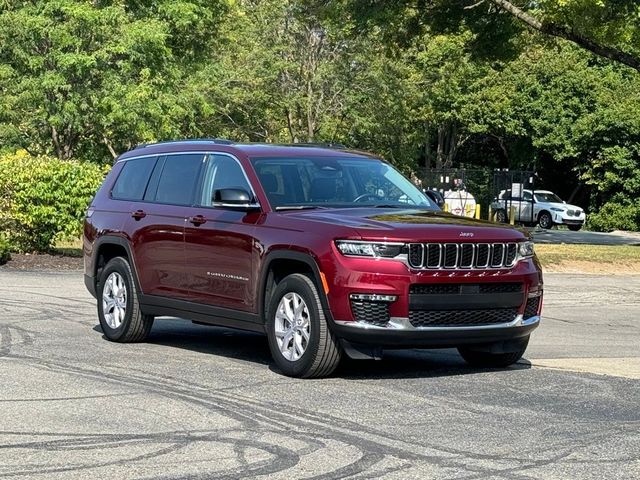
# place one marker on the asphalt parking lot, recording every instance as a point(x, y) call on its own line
point(203, 402)
point(558, 235)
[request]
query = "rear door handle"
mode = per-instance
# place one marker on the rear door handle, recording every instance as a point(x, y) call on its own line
point(138, 214)
point(197, 220)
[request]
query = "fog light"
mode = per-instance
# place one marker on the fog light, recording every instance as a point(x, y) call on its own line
point(373, 297)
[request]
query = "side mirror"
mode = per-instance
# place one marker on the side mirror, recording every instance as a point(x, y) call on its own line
point(234, 197)
point(435, 197)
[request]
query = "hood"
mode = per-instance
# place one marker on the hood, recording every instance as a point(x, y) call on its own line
point(564, 206)
point(412, 225)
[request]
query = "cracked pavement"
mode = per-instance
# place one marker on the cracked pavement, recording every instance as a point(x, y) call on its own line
point(205, 402)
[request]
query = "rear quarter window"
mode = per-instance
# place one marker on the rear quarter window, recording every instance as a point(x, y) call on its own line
point(133, 179)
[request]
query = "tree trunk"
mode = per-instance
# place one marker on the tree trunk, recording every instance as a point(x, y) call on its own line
point(427, 147)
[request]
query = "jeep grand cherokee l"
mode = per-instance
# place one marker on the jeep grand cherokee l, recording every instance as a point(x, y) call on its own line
point(326, 251)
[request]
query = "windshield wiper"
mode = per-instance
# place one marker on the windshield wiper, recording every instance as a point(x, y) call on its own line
point(391, 205)
point(297, 207)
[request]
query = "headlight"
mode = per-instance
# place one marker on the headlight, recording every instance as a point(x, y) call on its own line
point(556, 209)
point(525, 249)
point(353, 248)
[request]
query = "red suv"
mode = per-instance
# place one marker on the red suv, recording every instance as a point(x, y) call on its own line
point(327, 251)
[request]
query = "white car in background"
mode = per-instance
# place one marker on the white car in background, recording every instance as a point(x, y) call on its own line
point(538, 206)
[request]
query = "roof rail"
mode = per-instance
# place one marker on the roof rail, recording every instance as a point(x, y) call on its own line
point(337, 146)
point(219, 141)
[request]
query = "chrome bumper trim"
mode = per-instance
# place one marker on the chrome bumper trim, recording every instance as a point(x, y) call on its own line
point(403, 324)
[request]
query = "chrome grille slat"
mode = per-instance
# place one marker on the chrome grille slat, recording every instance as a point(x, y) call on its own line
point(463, 255)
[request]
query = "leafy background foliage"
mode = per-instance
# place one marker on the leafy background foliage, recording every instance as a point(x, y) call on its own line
point(44, 199)
point(426, 84)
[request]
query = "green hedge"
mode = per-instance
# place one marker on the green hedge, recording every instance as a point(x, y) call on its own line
point(5, 255)
point(618, 214)
point(43, 199)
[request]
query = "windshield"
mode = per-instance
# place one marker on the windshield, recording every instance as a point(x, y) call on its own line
point(547, 197)
point(336, 182)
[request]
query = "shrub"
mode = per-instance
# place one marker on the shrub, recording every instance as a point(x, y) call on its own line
point(43, 199)
point(5, 256)
point(616, 214)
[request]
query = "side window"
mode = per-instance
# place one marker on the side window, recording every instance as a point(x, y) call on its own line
point(178, 180)
point(526, 196)
point(222, 172)
point(133, 179)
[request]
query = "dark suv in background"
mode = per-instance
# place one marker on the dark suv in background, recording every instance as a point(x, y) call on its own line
point(327, 251)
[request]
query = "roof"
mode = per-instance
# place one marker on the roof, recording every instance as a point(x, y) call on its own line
point(249, 149)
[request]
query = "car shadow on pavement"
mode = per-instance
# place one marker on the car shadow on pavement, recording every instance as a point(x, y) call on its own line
point(253, 347)
point(417, 364)
point(212, 340)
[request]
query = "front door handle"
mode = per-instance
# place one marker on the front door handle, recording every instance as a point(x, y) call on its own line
point(197, 220)
point(138, 214)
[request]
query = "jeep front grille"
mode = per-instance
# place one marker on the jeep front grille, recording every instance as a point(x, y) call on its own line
point(435, 256)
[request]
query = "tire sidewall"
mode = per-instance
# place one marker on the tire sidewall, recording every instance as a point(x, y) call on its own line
point(295, 283)
point(120, 266)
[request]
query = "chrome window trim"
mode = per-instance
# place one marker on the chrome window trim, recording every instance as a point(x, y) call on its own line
point(206, 154)
point(244, 173)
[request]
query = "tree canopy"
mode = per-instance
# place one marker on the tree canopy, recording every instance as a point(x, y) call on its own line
point(551, 85)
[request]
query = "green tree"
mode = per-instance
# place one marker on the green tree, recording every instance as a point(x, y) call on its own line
point(75, 75)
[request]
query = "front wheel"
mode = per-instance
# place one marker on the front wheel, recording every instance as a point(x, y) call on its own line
point(487, 359)
point(545, 221)
point(301, 343)
point(574, 228)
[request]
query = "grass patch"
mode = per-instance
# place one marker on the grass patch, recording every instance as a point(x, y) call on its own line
point(590, 258)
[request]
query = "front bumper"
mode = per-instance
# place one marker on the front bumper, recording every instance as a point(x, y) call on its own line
point(399, 333)
point(562, 218)
point(432, 309)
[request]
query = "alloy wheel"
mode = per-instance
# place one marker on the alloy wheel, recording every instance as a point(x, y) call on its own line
point(114, 300)
point(292, 326)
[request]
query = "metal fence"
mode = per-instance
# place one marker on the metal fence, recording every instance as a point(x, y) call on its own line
point(486, 185)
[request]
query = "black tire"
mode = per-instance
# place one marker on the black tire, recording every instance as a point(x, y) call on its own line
point(545, 221)
point(135, 325)
point(323, 351)
point(501, 216)
point(485, 359)
point(574, 228)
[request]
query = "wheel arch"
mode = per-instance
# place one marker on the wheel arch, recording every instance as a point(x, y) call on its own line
point(280, 263)
point(108, 247)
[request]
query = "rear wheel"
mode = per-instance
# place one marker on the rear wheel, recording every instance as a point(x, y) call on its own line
point(574, 228)
point(118, 308)
point(301, 343)
point(485, 358)
point(501, 216)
